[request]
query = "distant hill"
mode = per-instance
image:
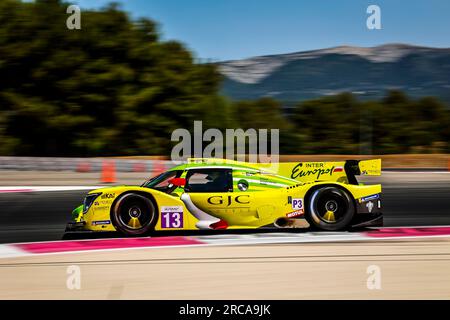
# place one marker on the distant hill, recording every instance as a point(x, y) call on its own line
point(367, 72)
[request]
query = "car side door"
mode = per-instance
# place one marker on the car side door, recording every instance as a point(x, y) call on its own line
point(211, 190)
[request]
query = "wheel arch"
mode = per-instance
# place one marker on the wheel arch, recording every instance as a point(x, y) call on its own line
point(310, 191)
point(147, 195)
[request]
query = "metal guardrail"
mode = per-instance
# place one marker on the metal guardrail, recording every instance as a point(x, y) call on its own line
point(440, 162)
point(81, 164)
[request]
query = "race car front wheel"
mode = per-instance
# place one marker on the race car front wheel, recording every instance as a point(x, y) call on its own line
point(134, 215)
point(330, 208)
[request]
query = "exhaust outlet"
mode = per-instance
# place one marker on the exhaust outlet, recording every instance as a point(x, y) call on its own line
point(291, 223)
point(284, 223)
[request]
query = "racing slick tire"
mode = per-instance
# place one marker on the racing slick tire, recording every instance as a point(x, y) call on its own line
point(330, 209)
point(134, 215)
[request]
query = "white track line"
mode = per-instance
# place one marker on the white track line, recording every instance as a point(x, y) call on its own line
point(16, 189)
point(11, 251)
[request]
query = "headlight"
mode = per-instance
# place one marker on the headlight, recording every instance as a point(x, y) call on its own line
point(89, 200)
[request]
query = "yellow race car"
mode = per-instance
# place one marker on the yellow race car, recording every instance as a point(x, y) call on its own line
point(225, 194)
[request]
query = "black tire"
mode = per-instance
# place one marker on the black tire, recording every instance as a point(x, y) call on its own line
point(330, 208)
point(134, 215)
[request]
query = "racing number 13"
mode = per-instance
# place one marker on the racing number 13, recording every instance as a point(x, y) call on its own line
point(172, 220)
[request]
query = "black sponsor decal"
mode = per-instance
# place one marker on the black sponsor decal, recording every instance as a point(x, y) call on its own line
point(218, 200)
point(314, 165)
point(108, 196)
point(298, 171)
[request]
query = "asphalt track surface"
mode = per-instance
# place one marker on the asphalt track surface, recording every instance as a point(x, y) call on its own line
point(42, 216)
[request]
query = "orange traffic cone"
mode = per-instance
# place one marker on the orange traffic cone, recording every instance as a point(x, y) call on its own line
point(108, 172)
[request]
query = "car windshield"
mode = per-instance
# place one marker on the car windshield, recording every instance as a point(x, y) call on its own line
point(161, 182)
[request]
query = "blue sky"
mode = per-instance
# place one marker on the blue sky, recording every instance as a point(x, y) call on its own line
point(233, 29)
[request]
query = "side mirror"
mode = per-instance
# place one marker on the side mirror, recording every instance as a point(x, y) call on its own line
point(178, 182)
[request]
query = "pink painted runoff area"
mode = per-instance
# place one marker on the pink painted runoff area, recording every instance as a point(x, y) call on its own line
point(127, 243)
point(104, 244)
point(408, 232)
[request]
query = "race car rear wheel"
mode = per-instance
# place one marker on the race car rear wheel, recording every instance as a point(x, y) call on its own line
point(134, 214)
point(330, 208)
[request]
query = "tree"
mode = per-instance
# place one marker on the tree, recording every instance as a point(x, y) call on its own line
point(112, 87)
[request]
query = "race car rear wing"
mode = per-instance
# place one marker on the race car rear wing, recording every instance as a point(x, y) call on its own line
point(340, 171)
point(355, 168)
